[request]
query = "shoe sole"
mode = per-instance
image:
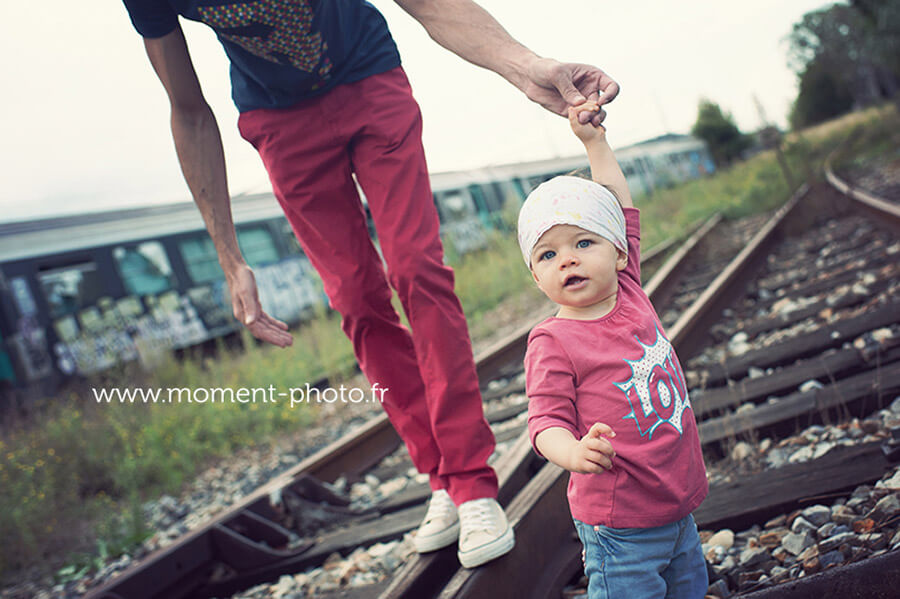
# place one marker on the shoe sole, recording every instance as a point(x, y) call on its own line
point(480, 555)
point(437, 541)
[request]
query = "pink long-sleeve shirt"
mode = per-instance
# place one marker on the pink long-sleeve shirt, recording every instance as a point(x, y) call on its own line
point(620, 369)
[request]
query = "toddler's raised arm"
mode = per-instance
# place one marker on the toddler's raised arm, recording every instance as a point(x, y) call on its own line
point(605, 169)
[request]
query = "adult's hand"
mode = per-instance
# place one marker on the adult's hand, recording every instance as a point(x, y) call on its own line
point(556, 86)
point(199, 148)
point(466, 29)
point(247, 309)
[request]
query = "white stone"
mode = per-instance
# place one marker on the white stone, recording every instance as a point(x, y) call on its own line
point(360, 490)
point(393, 486)
point(752, 556)
point(784, 306)
point(381, 549)
point(801, 525)
point(887, 507)
point(810, 385)
point(823, 448)
point(817, 515)
point(801, 455)
point(741, 451)
point(285, 585)
point(738, 344)
point(895, 406)
point(893, 483)
point(724, 538)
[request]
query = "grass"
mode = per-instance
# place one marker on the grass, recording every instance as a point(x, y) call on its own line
point(75, 474)
point(870, 146)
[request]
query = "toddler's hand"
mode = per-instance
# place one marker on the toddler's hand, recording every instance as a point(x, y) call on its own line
point(586, 131)
point(593, 453)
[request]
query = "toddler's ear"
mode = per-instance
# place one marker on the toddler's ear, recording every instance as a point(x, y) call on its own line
point(621, 260)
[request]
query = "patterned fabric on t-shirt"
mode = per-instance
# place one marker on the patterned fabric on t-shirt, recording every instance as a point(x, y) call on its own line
point(282, 51)
point(621, 370)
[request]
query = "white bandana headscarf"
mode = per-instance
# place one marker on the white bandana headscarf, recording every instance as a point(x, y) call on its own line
point(570, 201)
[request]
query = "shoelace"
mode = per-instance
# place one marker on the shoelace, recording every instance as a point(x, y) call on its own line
point(476, 516)
point(440, 506)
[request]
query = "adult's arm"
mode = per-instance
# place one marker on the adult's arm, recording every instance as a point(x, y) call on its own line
point(199, 148)
point(466, 29)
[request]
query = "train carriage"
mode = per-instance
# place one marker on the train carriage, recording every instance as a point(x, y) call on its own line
point(80, 294)
point(83, 293)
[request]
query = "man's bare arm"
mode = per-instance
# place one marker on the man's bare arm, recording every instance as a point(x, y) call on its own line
point(197, 142)
point(200, 154)
point(466, 29)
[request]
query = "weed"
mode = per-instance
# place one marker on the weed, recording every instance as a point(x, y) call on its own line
point(75, 473)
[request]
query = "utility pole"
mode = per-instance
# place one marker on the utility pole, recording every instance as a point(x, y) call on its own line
point(771, 139)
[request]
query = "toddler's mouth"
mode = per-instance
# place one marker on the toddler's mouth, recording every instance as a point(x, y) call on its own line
point(573, 280)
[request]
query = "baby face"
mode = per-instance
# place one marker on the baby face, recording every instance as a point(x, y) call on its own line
point(577, 269)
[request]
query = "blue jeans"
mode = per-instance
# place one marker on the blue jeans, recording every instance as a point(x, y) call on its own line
point(644, 563)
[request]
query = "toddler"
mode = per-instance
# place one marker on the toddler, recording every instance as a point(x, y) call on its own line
point(607, 397)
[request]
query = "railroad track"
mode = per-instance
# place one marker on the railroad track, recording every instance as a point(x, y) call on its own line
point(730, 399)
point(256, 541)
point(250, 543)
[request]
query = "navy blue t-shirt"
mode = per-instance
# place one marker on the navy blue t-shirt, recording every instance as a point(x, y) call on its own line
point(282, 51)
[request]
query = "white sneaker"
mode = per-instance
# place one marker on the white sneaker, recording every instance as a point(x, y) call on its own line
point(484, 534)
point(440, 527)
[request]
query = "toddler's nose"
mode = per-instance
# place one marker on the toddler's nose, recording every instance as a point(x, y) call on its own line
point(569, 260)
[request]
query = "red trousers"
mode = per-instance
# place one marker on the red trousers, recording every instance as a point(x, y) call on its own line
point(373, 129)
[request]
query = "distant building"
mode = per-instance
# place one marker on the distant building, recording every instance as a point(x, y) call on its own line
point(664, 161)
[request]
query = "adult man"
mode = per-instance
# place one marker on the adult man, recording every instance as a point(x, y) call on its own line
point(322, 97)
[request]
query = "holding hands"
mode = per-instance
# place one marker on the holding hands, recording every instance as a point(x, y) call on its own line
point(557, 86)
point(586, 128)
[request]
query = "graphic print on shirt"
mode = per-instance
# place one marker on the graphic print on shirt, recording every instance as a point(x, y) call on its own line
point(656, 389)
point(290, 36)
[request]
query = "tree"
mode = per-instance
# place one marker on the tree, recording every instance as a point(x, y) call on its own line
point(821, 97)
point(845, 51)
point(717, 129)
point(881, 21)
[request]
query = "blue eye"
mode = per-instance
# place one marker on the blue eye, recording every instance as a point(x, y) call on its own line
point(584, 243)
point(547, 255)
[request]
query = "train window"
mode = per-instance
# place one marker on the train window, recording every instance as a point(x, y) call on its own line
point(144, 268)
point(290, 239)
point(70, 288)
point(479, 197)
point(199, 255)
point(519, 190)
point(455, 206)
point(257, 246)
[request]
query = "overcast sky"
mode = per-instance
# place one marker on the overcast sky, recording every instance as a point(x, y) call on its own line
point(85, 121)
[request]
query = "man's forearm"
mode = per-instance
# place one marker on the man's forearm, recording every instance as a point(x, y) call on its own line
point(202, 159)
point(469, 31)
point(197, 141)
